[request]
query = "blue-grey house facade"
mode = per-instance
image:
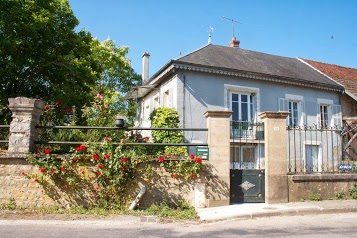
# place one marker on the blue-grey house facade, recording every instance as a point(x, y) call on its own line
point(245, 82)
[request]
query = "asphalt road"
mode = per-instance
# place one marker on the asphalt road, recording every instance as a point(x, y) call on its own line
point(314, 226)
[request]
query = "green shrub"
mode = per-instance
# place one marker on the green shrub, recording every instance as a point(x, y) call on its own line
point(340, 195)
point(353, 191)
point(315, 197)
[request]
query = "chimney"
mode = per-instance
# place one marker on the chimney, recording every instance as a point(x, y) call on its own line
point(145, 67)
point(234, 42)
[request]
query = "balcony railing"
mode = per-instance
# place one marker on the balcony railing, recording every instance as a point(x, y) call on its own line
point(247, 130)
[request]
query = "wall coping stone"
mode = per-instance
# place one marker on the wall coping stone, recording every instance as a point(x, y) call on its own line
point(220, 114)
point(323, 177)
point(273, 115)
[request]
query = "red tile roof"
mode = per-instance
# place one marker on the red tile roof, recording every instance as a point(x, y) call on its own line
point(344, 75)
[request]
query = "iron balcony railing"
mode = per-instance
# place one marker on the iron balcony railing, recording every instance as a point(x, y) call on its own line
point(247, 130)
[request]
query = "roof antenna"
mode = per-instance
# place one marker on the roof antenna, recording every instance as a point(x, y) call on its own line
point(210, 30)
point(233, 21)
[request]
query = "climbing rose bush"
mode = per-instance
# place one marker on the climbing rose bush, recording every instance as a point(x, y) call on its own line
point(105, 171)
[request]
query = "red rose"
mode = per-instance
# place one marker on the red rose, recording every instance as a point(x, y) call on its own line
point(23, 173)
point(46, 107)
point(82, 147)
point(124, 168)
point(65, 186)
point(74, 159)
point(198, 160)
point(62, 169)
point(97, 188)
point(192, 175)
point(42, 170)
point(161, 159)
point(36, 180)
point(58, 102)
point(101, 166)
point(192, 156)
point(99, 173)
point(47, 151)
point(107, 156)
point(125, 160)
point(68, 110)
point(83, 172)
point(174, 176)
point(52, 171)
point(95, 157)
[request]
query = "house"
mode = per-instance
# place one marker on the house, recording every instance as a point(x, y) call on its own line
point(246, 82)
point(347, 77)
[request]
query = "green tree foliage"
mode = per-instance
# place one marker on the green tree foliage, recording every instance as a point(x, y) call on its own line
point(41, 55)
point(163, 117)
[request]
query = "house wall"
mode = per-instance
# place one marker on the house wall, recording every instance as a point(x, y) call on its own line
point(349, 106)
point(202, 92)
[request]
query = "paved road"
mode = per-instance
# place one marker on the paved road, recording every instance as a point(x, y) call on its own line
point(312, 226)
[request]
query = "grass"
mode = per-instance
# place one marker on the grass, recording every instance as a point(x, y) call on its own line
point(163, 210)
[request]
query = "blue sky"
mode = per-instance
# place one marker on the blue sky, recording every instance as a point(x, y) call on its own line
point(322, 30)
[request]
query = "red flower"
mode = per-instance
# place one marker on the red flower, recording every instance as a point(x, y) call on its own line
point(124, 168)
point(36, 180)
point(174, 176)
point(101, 166)
point(97, 188)
point(68, 110)
point(192, 156)
point(47, 151)
point(83, 172)
point(58, 102)
point(107, 139)
point(107, 156)
point(125, 160)
point(65, 186)
point(81, 147)
point(161, 159)
point(74, 159)
point(62, 169)
point(46, 107)
point(137, 160)
point(99, 173)
point(95, 157)
point(198, 160)
point(192, 175)
point(42, 170)
point(23, 173)
point(52, 171)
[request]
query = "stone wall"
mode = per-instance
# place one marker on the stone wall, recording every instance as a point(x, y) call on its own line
point(27, 193)
point(302, 187)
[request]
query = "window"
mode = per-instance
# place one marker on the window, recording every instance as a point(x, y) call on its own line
point(295, 105)
point(242, 107)
point(324, 117)
point(167, 98)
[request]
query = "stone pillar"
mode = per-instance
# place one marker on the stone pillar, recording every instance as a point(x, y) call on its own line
point(218, 166)
point(276, 163)
point(26, 114)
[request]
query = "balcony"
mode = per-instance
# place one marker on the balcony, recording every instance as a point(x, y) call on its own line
point(247, 130)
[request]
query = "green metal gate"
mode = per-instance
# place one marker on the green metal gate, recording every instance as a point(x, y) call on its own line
point(247, 185)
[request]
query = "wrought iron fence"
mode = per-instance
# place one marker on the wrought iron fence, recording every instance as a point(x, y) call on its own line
point(247, 145)
point(317, 150)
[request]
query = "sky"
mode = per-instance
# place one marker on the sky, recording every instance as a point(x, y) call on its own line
point(321, 30)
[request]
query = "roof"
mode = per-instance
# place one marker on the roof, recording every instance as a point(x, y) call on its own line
point(238, 59)
point(344, 75)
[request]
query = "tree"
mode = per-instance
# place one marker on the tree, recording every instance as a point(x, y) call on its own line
point(41, 55)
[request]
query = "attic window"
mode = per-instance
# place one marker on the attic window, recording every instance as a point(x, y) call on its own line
point(167, 98)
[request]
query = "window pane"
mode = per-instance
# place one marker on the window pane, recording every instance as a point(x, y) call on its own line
point(248, 155)
point(244, 98)
point(234, 97)
point(235, 109)
point(244, 112)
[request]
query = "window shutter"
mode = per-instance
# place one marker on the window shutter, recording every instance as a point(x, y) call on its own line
point(318, 115)
point(337, 116)
point(283, 105)
point(303, 113)
point(171, 98)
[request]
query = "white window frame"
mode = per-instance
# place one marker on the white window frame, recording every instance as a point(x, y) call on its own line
point(284, 106)
point(233, 89)
point(328, 104)
point(316, 144)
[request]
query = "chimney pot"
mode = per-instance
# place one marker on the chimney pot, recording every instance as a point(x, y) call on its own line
point(234, 42)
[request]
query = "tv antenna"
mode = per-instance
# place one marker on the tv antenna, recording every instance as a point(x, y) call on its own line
point(233, 21)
